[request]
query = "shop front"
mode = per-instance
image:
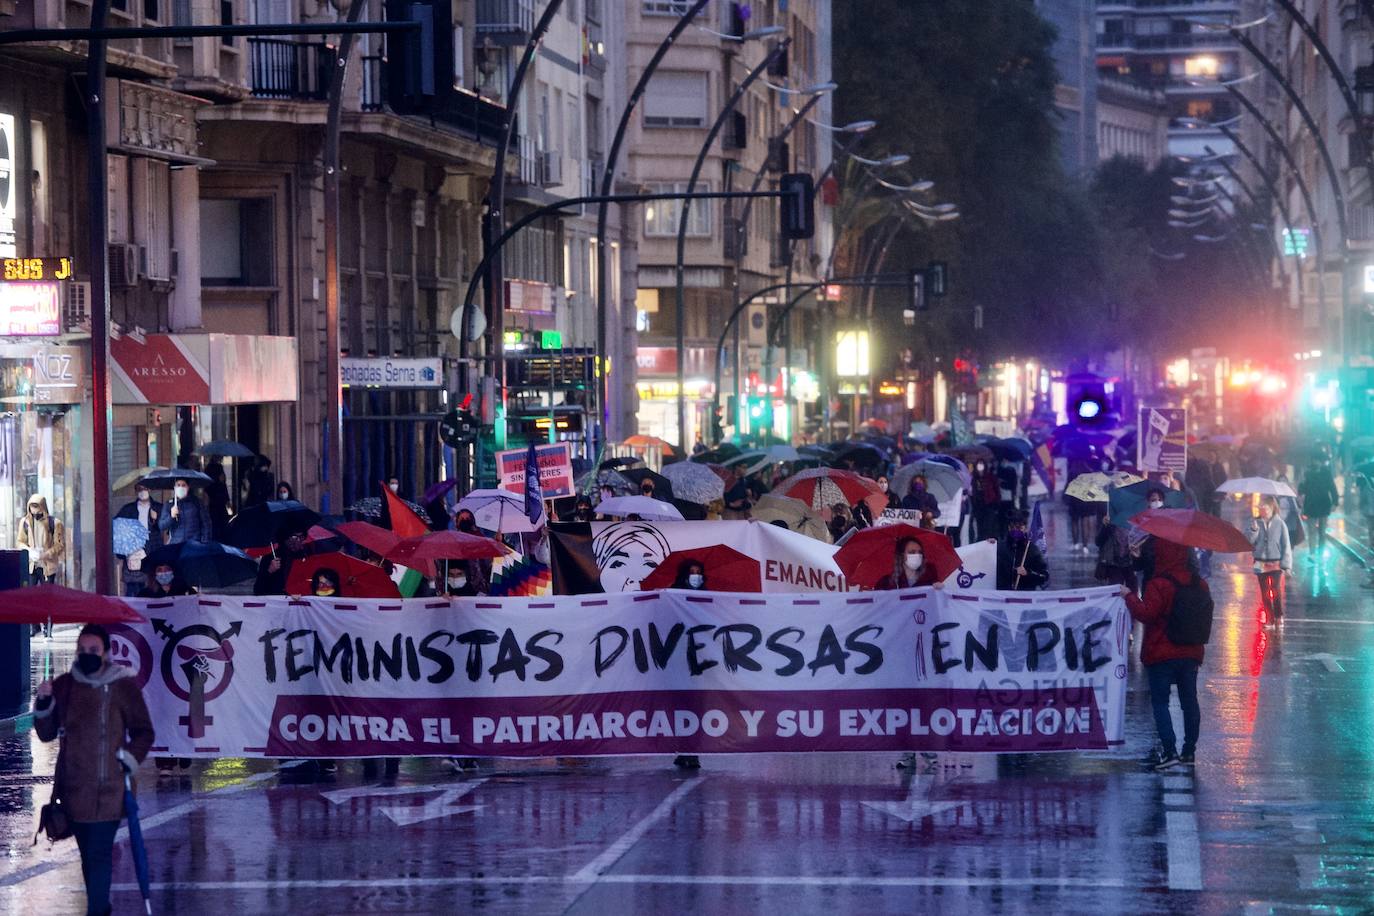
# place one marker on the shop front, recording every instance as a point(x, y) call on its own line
point(658, 391)
point(175, 392)
point(41, 390)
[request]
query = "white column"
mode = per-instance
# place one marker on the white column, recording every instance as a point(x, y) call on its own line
point(183, 312)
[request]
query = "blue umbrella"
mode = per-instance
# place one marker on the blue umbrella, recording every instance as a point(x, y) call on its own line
point(136, 845)
point(1125, 502)
point(129, 536)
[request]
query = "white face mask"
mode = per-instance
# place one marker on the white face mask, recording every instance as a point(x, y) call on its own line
point(1156, 504)
point(144, 496)
point(394, 487)
point(457, 581)
point(914, 560)
point(282, 494)
point(696, 580)
point(181, 492)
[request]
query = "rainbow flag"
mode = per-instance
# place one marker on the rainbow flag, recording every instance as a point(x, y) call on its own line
point(520, 576)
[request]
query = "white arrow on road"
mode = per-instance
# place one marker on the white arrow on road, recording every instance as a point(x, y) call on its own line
point(1329, 662)
point(442, 805)
point(917, 805)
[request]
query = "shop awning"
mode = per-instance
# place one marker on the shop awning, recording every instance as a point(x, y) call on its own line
point(206, 369)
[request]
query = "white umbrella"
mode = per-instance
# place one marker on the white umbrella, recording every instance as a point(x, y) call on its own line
point(761, 457)
point(943, 481)
point(1261, 485)
point(499, 510)
point(646, 507)
point(695, 483)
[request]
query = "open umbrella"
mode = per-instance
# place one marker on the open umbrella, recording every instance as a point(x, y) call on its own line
point(371, 507)
point(624, 461)
point(793, 513)
point(1261, 485)
point(727, 570)
point(821, 488)
point(445, 545)
point(224, 448)
point(165, 478)
point(205, 565)
point(942, 481)
point(50, 603)
point(1009, 449)
point(648, 442)
point(499, 510)
point(357, 578)
point(1192, 528)
point(128, 480)
point(923, 432)
point(867, 554)
point(261, 524)
point(863, 454)
point(1124, 502)
point(129, 536)
point(439, 490)
point(136, 846)
point(723, 452)
point(970, 454)
point(647, 508)
point(695, 483)
point(371, 537)
point(1094, 486)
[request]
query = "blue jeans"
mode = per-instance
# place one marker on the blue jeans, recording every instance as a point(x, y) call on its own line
point(95, 839)
point(1180, 672)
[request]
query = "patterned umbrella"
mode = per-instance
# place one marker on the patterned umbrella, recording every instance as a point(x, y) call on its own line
point(695, 483)
point(793, 513)
point(129, 536)
point(821, 488)
point(499, 510)
point(371, 507)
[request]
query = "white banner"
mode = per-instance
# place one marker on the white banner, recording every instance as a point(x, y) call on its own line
point(653, 672)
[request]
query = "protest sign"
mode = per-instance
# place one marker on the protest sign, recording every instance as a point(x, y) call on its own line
point(555, 470)
point(1162, 439)
point(646, 673)
point(591, 557)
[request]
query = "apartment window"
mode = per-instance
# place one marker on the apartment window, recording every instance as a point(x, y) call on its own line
point(151, 10)
point(236, 242)
point(661, 216)
point(1205, 65)
point(1201, 109)
point(676, 100)
point(666, 7)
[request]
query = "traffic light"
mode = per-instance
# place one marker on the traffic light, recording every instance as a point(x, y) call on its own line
point(798, 205)
point(919, 303)
point(419, 62)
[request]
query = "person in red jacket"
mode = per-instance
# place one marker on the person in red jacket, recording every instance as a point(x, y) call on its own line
point(1168, 664)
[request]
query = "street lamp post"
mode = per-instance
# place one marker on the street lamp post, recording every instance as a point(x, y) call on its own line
point(602, 210)
point(680, 263)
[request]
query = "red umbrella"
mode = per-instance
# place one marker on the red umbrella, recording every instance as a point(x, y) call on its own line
point(817, 488)
point(57, 604)
point(727, 570)
point(445, 545)
point(357, 578)
point(1192, 528)
point(318, 533)
point(375, 538)
point(868, 554)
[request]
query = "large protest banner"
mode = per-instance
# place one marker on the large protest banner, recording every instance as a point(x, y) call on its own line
point(646, 673)
point(613, 557)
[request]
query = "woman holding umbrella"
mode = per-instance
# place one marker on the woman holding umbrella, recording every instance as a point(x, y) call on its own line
point(909, 568)
point(166, 584)
point(691, 575)
point(1273, 558)
point(98, 711)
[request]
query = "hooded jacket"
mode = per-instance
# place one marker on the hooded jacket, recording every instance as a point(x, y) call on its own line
point(53, 539)
point(96, 716)
point(1153, 610)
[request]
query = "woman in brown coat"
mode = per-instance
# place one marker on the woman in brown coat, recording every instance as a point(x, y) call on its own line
point(98, 711)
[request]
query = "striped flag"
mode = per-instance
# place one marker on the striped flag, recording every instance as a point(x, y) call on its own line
point(405, 523)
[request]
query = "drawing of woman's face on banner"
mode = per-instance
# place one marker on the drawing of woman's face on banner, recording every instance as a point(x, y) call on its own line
point(626, 553)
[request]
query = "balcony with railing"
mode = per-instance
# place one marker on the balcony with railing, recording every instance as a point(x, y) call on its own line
point(284, 69)
point(465, 111)
point(505, 22)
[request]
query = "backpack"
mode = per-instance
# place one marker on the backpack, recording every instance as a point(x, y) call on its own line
point(1190, 618)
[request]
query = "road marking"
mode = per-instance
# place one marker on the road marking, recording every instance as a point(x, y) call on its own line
point(1326, 620)
point(917, 806)
point(1178, 799)
point(1329, 662)
point(71, 853)
point(1185, 851)
point(1178, 783)
point(1309, 870)
point(410, 883)
point(441, 805)
point(612, 854)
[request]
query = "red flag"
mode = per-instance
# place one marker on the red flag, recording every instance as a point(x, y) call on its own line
point(404, 521)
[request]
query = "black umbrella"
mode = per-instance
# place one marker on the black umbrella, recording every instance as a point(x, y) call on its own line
point(371, 507)
point(624, 461)
point(663, 487)
point(259, 525)
point(205, 565)
point(165, 478)
point(225, 448)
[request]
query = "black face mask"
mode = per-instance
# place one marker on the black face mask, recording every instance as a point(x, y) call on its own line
point(467, 526)
point(88, 663)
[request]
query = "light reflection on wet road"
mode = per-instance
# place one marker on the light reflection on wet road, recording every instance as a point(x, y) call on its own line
point(1278, 817)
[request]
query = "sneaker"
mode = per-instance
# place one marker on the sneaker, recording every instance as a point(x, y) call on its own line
point(1185, 760)
point(1169, 762)
point(1156, 755)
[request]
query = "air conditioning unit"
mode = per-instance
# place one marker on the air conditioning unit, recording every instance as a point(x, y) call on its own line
point(76, 307)
point(123, 265)
point(779, 156)
point(156, 270)
point(551, 168)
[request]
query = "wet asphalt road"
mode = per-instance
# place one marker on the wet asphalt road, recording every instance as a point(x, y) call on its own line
point(1278, 817)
